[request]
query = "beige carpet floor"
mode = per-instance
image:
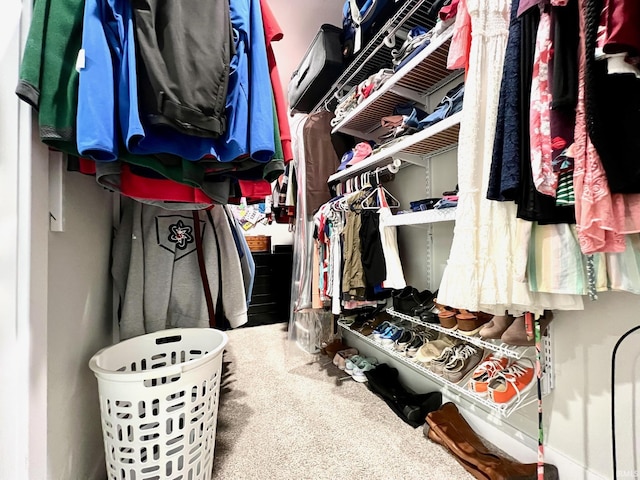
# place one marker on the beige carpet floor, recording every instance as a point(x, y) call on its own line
point(287, 415)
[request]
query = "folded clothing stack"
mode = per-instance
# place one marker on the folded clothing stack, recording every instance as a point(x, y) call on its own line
point(359, 94)
point(408, 119)
point(417, 38)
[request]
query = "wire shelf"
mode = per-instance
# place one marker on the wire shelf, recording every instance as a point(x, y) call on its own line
point(421, 218)
point(503, 410)
point(431, 141)
point(413, 81)
point(376, 54)
point(501, 348)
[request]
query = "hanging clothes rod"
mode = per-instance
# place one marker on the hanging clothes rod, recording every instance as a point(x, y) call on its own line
point(369, 178)
point(393, 168)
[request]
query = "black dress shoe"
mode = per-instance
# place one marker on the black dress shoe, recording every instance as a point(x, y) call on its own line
point(409, 304)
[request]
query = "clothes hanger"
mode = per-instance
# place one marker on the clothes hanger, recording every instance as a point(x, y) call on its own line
point(384, 191)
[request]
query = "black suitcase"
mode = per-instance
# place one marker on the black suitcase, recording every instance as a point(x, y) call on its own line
point(319, 69)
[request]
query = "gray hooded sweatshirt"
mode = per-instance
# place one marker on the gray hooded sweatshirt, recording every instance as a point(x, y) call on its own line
point(156, 272)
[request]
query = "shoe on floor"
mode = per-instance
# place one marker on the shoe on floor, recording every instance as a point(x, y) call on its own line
point(364, 365)
point(340, 358)
point(465, 358)
point(482, 375)
point(513, 382)
point(334, 347)
point(351, 362)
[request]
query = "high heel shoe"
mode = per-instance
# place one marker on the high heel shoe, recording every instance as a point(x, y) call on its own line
point(470, 323)
point(447, 316)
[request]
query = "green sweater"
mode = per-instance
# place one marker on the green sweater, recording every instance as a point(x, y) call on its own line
point(48, 77)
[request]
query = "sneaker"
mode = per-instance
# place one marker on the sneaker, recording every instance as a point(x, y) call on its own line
point(382, 331)
point(437, 364)
point(433, 349)
point(465, 359)
point(389, 339)
point(369, 327)
point(513, 382)
point(340, 359)
point(351, 363)
point(482, 375)
point(364, 365)
point(403, 342)
point(414, 346)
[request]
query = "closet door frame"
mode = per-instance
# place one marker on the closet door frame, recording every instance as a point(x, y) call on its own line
point(23, 267)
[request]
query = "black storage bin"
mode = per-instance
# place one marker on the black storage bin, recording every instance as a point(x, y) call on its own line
point(319, 69)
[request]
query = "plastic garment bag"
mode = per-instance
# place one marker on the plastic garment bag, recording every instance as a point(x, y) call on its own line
point(308, 328)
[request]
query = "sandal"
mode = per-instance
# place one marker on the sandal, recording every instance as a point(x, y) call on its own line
point(447, 316)
point(470, 323)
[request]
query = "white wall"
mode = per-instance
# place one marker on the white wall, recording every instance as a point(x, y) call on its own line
point(80, 324)
point(300, 22)
point(14, 334)
point(579, 409)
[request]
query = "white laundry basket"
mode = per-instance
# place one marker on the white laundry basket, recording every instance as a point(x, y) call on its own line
point(159, 404)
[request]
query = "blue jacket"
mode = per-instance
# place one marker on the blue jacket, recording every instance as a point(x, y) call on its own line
point(107, 92)
point(109, 33)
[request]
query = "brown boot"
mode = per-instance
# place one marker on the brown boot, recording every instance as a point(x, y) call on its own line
point(433, 436)
point(516, 334)
point(455, 433)
point(496, 326)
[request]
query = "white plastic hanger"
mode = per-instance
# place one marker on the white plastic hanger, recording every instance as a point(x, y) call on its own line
point(394, 204)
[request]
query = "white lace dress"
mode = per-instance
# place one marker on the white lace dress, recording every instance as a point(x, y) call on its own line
point(489, 251)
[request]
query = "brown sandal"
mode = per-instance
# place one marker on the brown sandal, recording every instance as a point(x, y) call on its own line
point(470, 323)
point(446, 316)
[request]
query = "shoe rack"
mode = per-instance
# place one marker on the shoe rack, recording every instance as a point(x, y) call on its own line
point(418, 81)
point(460, 389)
point(501, 348)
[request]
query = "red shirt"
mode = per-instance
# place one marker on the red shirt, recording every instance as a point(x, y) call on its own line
point(273, 33)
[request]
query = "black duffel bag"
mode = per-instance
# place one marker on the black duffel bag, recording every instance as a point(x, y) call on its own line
point(319, 69)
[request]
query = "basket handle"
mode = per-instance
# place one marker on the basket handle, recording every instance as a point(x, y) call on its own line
point(132, 377)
